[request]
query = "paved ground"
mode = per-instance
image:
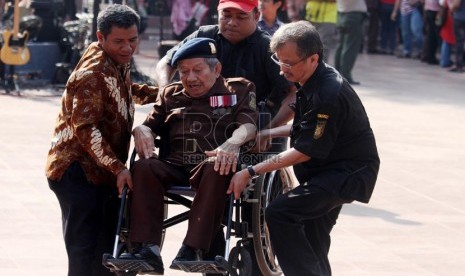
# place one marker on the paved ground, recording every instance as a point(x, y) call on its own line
point(412, 226)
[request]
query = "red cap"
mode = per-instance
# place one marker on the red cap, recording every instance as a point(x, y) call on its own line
point(243, 5)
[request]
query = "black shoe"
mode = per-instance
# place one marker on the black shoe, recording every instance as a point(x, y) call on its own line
point(186, 254)
point(147, 255)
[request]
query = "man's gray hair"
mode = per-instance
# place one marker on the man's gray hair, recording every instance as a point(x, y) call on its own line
point(303, 33)
point(212, 62)
point(117, 15)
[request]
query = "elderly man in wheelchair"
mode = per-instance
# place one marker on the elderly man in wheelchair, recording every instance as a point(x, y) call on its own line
point(204, 121)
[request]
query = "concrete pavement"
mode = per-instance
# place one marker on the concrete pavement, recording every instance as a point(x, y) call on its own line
point(412, 226)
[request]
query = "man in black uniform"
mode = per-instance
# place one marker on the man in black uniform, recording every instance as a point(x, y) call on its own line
point(204, 119)
point(333, 152)
point(243, 50)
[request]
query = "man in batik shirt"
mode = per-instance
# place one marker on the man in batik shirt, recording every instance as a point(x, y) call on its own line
point(86, 162)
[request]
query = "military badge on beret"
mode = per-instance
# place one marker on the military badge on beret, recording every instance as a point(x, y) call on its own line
point(320, 125)
point(212, 48)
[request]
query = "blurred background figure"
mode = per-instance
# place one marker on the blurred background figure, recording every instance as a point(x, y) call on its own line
point(186, 17)
point(351, 15)
point(458, 15)
point(269, 20)
point(388, 27)
point(432, 39)
point(447, 34)
point(373, 26)
point(181, 13)
point(411, 24)
point(295, 9)
point(323, 15)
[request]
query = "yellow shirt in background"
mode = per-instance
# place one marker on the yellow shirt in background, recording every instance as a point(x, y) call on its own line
point(321, 11)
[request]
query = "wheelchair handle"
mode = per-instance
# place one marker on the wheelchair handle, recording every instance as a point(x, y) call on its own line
point(228, 229)
point(120, 220)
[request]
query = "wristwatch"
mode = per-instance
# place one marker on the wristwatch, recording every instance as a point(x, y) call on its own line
point(253, 174)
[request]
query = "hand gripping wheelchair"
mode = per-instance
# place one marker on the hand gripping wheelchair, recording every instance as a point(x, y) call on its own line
point(259, 193)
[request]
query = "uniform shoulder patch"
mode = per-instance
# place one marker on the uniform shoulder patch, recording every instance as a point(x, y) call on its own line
point(238, 79)
point(173, 88)
point(321, 120)
point(236, 85)
point(177, 83)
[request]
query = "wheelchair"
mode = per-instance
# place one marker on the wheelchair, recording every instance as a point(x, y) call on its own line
point(252, 231)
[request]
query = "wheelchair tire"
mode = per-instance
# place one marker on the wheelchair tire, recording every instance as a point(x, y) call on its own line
point(267, 188)
point(240, 262)
point(165, 215)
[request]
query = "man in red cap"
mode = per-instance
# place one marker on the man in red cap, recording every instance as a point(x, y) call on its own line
point(243, 49)
point(245, 5)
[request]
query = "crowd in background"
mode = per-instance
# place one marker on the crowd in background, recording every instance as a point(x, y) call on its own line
point(432, 31)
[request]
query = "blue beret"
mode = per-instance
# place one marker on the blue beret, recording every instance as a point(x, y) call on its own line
point(195, 48)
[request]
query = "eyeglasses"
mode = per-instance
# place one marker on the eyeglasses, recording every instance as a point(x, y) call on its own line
point(285, 65)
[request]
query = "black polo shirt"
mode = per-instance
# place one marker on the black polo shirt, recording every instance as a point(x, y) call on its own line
point(332, 128)
point(250, 59)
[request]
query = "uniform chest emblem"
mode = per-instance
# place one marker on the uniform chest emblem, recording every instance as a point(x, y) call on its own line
point(320, 125)
point(223, 101)
point(222, 105)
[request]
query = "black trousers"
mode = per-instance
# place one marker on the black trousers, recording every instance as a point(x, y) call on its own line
point(89, 215)
point(300, 223)
point(432, 39)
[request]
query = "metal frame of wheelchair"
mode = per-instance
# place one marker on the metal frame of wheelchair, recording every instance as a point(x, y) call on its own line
point(260, 192)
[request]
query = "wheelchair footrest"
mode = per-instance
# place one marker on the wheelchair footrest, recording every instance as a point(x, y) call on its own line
point(219, 265)
point(125, 265)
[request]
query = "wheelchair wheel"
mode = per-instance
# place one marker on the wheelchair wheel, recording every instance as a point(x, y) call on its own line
point(165, 215)
point(240, 262)
point(267, 188)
